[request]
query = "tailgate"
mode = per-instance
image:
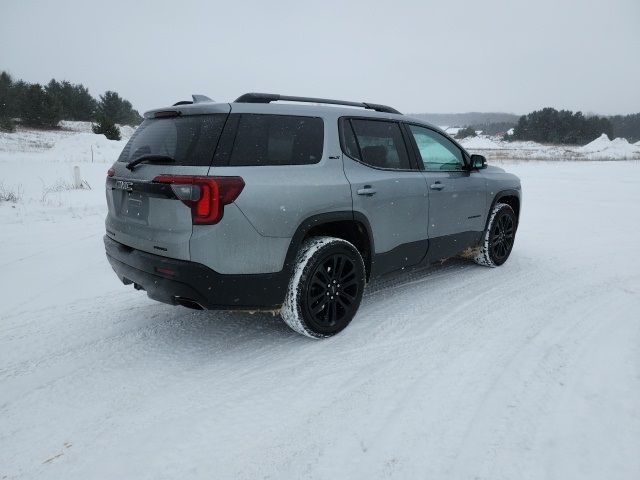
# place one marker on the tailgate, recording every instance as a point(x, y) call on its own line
point(144, 214)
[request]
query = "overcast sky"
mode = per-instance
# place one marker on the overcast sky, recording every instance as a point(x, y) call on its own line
point(418, 56)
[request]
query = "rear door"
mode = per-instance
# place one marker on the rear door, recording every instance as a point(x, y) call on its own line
point(457, 196)
point(286, 163)
point(388, 189)
point(140, 214)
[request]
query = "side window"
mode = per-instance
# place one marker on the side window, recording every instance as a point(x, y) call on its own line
point(376, 143)
point(277, 140)
point(437, 152)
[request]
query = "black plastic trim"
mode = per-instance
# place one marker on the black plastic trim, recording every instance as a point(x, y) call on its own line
point(194, 283)
point(151, 189)
point(497, 197)
point(317, 221)
point(403, 256)
point(448, 246)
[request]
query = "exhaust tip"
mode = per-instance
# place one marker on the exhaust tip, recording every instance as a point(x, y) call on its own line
point(187, 302)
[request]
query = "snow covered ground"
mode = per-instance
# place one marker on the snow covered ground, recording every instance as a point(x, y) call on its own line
point(527, 371)
point(601, 148)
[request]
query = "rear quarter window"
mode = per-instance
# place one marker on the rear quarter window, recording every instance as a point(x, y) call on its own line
point(264, 140)
point(190, 140)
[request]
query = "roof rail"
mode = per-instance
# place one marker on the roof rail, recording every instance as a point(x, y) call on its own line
point(196, 99)
point(273, 97)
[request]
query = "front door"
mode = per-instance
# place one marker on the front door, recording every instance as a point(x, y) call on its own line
point(457, 195)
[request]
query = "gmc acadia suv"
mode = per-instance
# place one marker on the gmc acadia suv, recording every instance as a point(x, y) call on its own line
point(256, 205)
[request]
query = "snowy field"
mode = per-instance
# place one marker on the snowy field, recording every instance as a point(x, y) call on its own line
point(602, 148)
point(527, 371)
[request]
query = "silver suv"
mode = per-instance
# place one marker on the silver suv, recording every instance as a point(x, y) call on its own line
point(257, 205)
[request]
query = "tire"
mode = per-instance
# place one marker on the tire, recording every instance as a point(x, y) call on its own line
point(498, 239)
point(326, 287)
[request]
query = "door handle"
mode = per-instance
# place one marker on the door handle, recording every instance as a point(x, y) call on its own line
point(366, 190)
point(437, 186)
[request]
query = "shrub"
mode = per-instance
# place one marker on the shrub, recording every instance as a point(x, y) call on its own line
point(10, 194)
point(7, 125)
point(466, 132)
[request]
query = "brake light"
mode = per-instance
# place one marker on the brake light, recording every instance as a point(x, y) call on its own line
point(205, 196)
point(111, 172)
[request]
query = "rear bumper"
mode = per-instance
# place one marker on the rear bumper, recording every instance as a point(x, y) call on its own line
point(180, 282)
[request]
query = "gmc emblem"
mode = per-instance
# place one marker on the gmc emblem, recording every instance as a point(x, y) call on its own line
point(122, 185)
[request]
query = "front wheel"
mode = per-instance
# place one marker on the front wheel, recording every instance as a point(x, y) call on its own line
point(326, 287)
point(497, 242)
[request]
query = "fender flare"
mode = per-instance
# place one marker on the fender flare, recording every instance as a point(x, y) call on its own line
point(321, 219)
point(496, 198)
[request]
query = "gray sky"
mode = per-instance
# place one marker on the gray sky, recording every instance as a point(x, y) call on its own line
point(418, 56)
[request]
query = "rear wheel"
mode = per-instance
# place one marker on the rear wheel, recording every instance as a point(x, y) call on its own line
point(497, 242)
point(326, 287)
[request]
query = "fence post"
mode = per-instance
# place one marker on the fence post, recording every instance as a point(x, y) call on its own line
point(77, 179)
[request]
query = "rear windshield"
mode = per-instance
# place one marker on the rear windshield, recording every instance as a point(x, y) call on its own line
point(277, 140)
point(190, 140)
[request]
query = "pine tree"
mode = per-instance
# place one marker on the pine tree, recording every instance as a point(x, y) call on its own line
point(466, 132)
point(39, 109)
point(7, 107)
point(106, 127)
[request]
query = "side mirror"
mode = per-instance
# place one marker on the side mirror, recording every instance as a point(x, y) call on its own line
point(478, 162)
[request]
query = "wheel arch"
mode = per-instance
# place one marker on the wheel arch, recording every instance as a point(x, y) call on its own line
point(510, 197)
point(351, 226)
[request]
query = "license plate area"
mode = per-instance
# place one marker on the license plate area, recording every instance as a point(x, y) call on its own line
point(135, 206)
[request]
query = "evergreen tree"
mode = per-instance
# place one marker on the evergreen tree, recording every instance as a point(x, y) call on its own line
point(39, 106)
point(466, 132)
point(106, 127)
point(117, 110)
point(552, 126)
point(7, 107)
point(75, 100)
point(39, 109)
point(627, 126)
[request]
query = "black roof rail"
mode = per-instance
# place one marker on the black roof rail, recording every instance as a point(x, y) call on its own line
point(273, 97)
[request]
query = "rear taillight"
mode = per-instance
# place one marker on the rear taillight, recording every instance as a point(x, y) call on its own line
point(205, 196)
point(111, 172)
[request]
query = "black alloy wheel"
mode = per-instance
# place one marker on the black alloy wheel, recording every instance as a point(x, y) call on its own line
point(503, 233)
point(333, 291)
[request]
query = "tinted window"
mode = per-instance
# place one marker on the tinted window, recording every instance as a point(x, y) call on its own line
point(277, 140)
point(379, 144)
point(190, 140)
point(437, 152)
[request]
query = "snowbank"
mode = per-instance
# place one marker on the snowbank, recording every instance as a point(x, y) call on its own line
point(86, 147)
point(479, 142)
point(602, 147)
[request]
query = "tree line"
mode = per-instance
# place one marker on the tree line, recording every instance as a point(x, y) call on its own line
point(564, 126)
point(41, 106)
point(626, 126)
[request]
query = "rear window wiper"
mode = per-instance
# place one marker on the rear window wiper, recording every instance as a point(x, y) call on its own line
point(150, 157)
